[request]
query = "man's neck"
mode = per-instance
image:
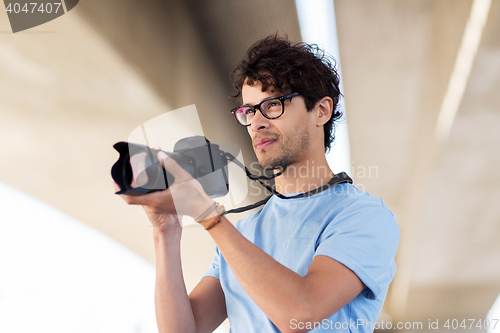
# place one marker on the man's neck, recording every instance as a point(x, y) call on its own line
point(305, 176)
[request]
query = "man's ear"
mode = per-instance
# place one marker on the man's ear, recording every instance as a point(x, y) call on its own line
point(323, 109)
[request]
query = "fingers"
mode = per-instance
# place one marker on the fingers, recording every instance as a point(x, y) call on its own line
point(155, 200)
point(162, 202)
point(173, 167)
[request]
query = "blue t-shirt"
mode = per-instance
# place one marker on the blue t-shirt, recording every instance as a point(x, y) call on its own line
point(343, 223)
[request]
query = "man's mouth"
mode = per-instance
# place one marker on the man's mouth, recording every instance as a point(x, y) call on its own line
point(262, 143)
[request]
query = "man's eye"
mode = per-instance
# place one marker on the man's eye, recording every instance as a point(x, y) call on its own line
point(272, 105)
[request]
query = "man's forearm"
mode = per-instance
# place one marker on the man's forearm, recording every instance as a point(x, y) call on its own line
point(281, 293)
point(173, 308)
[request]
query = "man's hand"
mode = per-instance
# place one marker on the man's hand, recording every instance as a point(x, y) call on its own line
point(185, 196)
point(174, 310)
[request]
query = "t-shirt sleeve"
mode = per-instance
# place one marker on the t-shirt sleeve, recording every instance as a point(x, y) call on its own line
point(364, 237)
point(214, 269)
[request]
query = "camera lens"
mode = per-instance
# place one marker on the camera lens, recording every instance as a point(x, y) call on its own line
point(138, 170)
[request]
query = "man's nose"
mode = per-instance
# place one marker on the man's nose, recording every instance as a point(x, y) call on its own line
point(259, 122)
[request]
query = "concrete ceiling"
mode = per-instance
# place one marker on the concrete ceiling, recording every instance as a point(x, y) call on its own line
point(397, 60)
point(67, 96)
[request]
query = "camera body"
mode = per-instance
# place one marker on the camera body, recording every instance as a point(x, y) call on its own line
point(138, 170)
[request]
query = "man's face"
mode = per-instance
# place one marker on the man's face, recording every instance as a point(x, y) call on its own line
point(282, 141)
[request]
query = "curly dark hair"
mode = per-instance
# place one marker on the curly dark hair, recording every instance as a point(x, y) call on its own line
point(303, 68)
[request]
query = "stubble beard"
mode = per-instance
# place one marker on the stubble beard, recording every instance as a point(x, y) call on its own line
point(293, 146)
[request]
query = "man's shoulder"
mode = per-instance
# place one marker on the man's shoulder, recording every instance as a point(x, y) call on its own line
point(365, 212)
point(351, 206)
point(347, 197)
point(340, 201)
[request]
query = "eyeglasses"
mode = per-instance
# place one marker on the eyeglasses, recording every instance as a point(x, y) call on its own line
point(271, 108)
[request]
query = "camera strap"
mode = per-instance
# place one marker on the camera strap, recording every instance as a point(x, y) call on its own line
point(339, 178)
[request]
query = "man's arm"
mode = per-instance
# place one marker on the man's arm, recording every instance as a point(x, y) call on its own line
point(282, 294)
point(203, 311)
point(208, 304)
point(205, 308)
point(173, 309)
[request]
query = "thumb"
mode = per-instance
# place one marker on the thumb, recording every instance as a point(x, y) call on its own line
point(173, 167)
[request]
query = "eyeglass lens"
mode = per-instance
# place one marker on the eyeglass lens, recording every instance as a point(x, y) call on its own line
point(271, 109)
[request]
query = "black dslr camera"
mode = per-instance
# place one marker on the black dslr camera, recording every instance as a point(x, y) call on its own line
point(138, 171)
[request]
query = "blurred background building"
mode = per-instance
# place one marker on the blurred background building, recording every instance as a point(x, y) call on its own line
point(421, 83)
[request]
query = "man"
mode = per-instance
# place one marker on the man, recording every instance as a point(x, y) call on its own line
point(321, 262)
